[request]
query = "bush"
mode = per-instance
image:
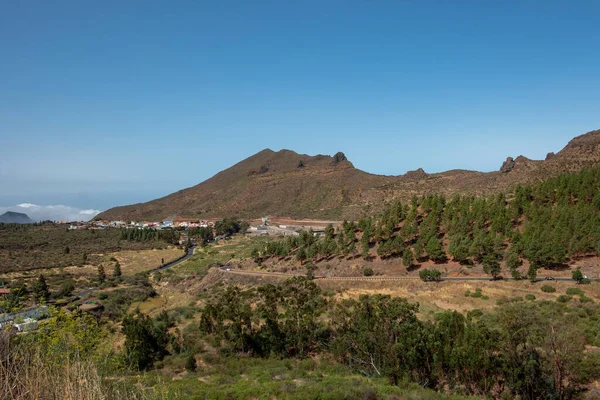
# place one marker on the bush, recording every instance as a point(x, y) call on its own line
point(530, 297)
point(502, 301)
point(429, 275)
point(368, 271)
point(585, 299)
point(190, 363)
point(563, 298)
point(574, 292)
point(548, 289)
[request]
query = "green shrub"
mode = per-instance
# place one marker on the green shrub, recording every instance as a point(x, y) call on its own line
point(574, 292)
point(548, 289)
point(368, 271)
point(563, 298)
point(585, 299)
point(530, 297)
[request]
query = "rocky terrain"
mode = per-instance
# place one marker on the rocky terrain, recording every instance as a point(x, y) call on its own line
point(288, 184)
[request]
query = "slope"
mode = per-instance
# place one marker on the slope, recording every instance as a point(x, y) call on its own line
point(288, 184)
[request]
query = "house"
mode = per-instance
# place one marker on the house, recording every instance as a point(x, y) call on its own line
point(28, 324)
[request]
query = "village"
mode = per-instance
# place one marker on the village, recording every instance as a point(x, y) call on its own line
point(259, 227)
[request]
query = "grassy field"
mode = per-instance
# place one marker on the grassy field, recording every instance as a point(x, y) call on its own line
point(247, 378)
point(235, 249)
point(131, 261)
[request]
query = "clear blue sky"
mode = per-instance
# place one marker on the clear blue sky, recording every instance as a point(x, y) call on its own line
point(105, 103)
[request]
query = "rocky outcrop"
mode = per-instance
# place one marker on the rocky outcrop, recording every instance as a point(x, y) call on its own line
point(507, 165)
point(338, 158)
point(416, 174)
point(550, 156)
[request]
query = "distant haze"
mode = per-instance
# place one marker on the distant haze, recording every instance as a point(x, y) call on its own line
point(53, 212)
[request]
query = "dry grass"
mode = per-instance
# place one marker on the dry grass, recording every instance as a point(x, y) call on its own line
point(25, 375)
point(132, 262)
point(135, 261)
point(451, 295)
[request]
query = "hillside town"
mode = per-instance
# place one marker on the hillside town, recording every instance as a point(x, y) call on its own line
point(262, 227)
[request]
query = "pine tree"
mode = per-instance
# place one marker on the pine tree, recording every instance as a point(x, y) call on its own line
point(117, 270)
point(532, 272)
point(513, 262)
point(577, 275)
point(407, 258)
point(101, 274)
point(491, 265)
point(40, 289)
point(435, 250)
point(329, 231)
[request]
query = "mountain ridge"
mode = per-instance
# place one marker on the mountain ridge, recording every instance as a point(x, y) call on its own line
point(287, 184)
point(12, 217)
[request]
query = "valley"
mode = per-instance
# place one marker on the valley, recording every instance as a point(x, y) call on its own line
point(281, 307)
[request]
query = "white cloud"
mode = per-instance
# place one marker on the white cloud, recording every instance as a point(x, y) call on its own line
point(53, 213)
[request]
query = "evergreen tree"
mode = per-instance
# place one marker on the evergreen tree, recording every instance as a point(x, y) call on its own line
point(407, 257)
point(329, 231)
point(144, 343)
point(101, 274)
point(532, 272)
point(435, 250)
point(513, 262)
point(301, 255)
point(491, 265)
point(39, 289)
point(117, 270)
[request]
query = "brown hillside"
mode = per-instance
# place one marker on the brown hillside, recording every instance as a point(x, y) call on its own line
point(285, 183)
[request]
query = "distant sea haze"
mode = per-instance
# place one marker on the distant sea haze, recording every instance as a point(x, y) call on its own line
point(51, 212)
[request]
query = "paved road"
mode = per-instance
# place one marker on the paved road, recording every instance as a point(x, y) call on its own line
point(173, 263)
point(168, 265)
point(366, 278)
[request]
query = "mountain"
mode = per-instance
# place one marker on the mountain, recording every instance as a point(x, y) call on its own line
point(11, 217)
point(288, 184)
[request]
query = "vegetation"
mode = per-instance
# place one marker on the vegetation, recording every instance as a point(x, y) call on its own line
point(545, 225)
point(430, 275)
point(49, 245)
point(548, 289)
point(530, 350)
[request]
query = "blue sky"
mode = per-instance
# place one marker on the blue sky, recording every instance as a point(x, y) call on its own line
point(113, 102)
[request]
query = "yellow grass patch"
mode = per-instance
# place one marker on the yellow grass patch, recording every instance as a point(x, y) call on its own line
point(134, 261)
